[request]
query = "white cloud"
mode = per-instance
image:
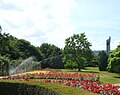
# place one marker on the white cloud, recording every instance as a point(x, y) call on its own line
point(49, 18)
point(59, 35)
point(40, 21)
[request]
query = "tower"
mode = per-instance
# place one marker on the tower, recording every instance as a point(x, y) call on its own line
point(108, 45)
point(0, 28)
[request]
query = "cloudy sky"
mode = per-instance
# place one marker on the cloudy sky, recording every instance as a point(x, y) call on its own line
point(52, 21)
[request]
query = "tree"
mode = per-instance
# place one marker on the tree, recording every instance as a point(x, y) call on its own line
point(77, 48)
point(49, 50)
point(4, 66)
point(103, 57)
point(21, 48)
point(56, 62)
point(93, 63)
point(114, 61)
point(4, 43)
point(5, 39)
point(70, 64)
point(52, 56)
point(16, 50)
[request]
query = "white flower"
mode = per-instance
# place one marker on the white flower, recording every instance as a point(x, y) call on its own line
point(118, 89)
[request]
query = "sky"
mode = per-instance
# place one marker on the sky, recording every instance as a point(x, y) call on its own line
point(52, 21)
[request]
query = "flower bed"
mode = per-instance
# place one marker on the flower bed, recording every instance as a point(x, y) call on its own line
point(88, 82)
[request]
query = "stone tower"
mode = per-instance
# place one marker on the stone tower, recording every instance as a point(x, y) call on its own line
point(108, 45)
point(0, 28)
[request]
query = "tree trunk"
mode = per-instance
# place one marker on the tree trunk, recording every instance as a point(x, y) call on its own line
point(78, 62)
point(79, 67)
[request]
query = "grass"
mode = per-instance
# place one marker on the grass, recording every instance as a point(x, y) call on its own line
point(105, 76)
point(112, 78)
point(63, 90)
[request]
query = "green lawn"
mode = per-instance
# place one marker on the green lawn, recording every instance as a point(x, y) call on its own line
point(105, 76)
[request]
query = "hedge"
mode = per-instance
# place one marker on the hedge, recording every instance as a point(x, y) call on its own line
point(16, 87)
point(7, 88)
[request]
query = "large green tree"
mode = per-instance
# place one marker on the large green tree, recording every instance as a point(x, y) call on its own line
point(77, 48)
point(114, 61)
point(49, 50)
point(17, 48)
point(4, 43)
point(21, 48)
point(102, 59)
point(52, 56)
point(4, 66)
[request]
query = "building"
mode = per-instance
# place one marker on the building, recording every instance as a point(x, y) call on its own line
point(108, 45)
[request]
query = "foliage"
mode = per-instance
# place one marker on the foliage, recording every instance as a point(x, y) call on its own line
point(52, 56)
point(77, 49)
point(71, 65)
point(17, 48)
point(103, 57)
point(53, 62)
point(57, 63)
point(114, 61)
point(49, 50)
point(4, 43)
point(23, 49)
point(93, 63)
point(4, 65)
point(15, 63)
point(24, 89)
point(21, 66)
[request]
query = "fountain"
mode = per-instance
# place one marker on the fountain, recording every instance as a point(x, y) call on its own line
point(27, 65)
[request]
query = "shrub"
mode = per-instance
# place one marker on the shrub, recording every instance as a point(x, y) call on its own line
point(93, 63)
point(24, 89)
point(4, 64)
point(114, 61)
point(70, 64)
point(114, 65)
point(38, 88)
point(103, 57)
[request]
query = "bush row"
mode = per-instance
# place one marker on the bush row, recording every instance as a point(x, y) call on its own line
point(7, 88)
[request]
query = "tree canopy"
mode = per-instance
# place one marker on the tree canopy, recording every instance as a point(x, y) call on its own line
point(52, 56)
point(77, 48)
point(49, 50)
point(114, 60)
point(102, 58)
point(15, 49)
